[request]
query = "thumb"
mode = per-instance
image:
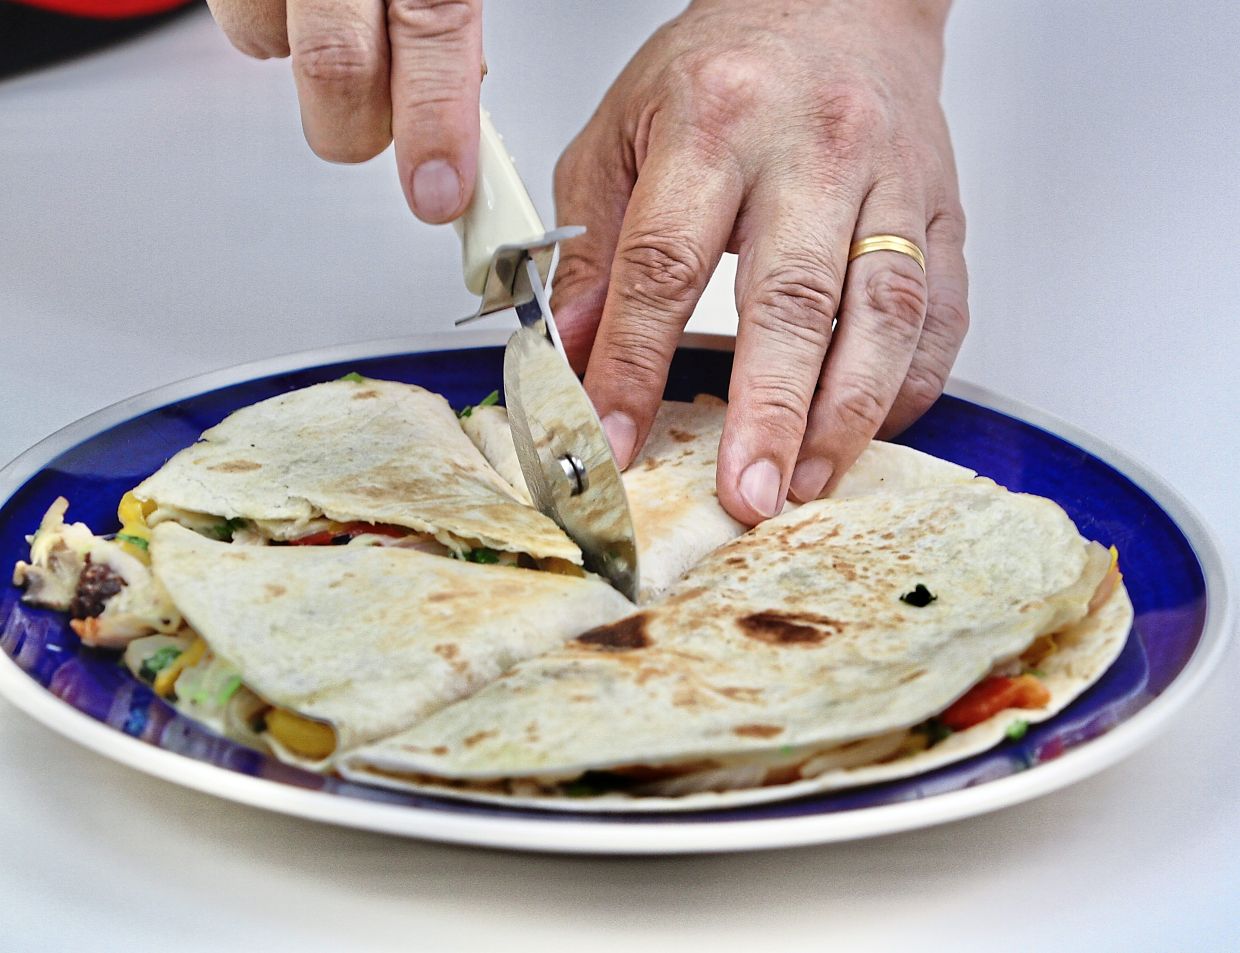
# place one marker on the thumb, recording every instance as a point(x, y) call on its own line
point(592, 187)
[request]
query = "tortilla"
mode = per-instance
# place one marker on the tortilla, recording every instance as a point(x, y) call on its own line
point(351, 451)
point(368, 639)
point(789, 642)
point(676, 512)
point(488, 428)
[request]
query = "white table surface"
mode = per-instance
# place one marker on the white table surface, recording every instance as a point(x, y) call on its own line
point(160, 216)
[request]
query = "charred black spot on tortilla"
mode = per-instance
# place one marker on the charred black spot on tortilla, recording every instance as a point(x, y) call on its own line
point(757, 731)
point(919, 598)
point(97, 584)
point(624, 635)
point(235, 466)
point(788, 628)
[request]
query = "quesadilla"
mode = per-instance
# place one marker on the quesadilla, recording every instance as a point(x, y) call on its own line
point(313, 650)
point(826, 640)
point(343, 458)
point(671, 484)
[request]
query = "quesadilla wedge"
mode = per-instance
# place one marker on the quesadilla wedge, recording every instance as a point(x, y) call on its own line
point(314, 650)
point(348, 457)
point(811, 653)
point(671, 483)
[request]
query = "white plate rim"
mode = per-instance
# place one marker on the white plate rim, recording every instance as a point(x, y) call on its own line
point(561, 834)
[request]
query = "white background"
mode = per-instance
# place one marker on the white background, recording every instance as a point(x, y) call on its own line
point(161, 216)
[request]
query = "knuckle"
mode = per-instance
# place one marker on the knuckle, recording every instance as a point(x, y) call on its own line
point(899, 296)
point(722, 88)
point(432, 19)
point(662, 268)
point(850, 116)
point(951, 315)
point(634, 356)
point(779, 407)
point(949, 226)
point(333, 61)
point(254, 41)
point(858, 407)
point(798, 299)
point(922, 387)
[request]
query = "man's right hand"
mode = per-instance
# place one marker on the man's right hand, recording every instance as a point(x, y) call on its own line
point(368, 72)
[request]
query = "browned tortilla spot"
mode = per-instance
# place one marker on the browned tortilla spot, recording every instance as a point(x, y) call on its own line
point(680, 436)
point(912, 676)
point(740, 694)
point(440, 750)
point(757, 731)
point(235, 466)
point(478, 737)
point(274, 589)
point(788, 628)
point(621, 636)
point(366, 395)
point(447, 650)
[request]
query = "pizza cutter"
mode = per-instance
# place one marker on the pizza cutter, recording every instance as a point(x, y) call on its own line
point(507, 257)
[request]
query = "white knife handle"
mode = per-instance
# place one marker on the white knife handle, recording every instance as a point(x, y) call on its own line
point(501, 211)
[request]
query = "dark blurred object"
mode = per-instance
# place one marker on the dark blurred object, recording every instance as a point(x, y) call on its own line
point(35, 33)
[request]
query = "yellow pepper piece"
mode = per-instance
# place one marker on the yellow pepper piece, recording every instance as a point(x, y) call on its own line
point(132, 513)
point(560, 567)
point(166, 679)
point(312, 740)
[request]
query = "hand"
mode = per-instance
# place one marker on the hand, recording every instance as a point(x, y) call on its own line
point(781, 130)
point(368, 72)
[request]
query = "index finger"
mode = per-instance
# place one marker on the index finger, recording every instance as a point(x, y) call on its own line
point(675, 230)
point(436, 72)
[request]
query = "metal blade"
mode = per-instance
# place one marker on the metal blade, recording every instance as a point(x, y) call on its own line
point(563, 451)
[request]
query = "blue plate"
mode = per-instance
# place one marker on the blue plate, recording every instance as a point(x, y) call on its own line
point(1171, 568)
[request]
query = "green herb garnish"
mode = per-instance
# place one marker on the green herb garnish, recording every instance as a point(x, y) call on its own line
point(1035, 672)
point(224, 531)
point(354, 377)
point(156, 662)
point(228, 689)
point(487, 401)
point(482, 555)
point(1017, 729)
point(133, 540)
point(919, 598)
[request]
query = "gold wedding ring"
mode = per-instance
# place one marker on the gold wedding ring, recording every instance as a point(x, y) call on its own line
point(893, 243)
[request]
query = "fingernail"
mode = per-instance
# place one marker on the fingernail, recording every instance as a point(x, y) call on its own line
point(621, 434)
point(436, 190)
point(809, 477)
point(759, 487)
